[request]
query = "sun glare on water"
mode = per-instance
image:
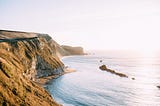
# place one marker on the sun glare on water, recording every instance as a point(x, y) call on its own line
point(148, 53)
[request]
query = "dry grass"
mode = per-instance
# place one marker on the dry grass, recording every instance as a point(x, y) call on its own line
point(15, 66)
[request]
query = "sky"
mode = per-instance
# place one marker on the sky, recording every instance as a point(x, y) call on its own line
point(92, 24)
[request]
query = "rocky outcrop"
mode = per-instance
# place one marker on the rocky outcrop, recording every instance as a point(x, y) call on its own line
point(45, 69)
point(104, 68)
point(24, 57)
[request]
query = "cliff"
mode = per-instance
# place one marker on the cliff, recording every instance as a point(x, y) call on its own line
point(64, 50)
point(25, 57)
point(72, 50)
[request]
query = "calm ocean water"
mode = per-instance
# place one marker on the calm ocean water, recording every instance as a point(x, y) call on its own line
point(89, 86)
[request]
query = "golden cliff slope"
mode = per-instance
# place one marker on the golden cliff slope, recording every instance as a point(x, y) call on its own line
point(23, 58)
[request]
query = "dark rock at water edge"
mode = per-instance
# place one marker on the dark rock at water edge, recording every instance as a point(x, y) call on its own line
point(133, 78)
point(104, 68)
point(100, 61)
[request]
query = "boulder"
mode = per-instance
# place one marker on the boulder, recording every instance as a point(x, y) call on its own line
point(103, 67)
point(100, 61)
point(133, 78)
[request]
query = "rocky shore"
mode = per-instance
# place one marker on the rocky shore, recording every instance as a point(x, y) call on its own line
point(104, 68)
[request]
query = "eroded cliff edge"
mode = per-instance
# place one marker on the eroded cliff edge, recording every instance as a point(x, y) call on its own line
point(24, 57)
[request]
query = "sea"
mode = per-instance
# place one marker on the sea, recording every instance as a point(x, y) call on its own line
point(90, 86)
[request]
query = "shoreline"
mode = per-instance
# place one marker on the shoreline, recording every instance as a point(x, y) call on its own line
point(45, 80)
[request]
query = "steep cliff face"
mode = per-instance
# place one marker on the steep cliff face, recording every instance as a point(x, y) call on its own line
point(73, 50)
point(24, 57)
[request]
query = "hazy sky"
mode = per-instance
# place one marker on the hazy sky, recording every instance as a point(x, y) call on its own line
point(93, 24)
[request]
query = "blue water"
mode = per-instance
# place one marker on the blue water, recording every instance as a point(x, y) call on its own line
point(89, 86)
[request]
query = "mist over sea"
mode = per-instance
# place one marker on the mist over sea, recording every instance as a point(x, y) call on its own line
point(89, 86)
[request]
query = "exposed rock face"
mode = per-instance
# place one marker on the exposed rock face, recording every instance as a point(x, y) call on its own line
point(104, 68)
point(45, 69)
point(23, 58)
